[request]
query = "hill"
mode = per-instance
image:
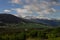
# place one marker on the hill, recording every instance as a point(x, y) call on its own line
point(9, 20)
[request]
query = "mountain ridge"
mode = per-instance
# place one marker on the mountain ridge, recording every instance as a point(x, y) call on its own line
point(9, 18)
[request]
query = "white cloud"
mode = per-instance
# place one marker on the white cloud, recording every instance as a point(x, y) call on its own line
point(27, 1)
point(16, 1)
point(7, 11)
point(15, 15)
point(35, 6)
point(22, 12)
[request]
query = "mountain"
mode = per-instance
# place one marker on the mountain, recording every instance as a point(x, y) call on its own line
point(11, 21)
point(9, 18)
point(51, 22)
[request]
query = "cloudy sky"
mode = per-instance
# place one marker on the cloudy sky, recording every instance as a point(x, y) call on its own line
point(36, 8)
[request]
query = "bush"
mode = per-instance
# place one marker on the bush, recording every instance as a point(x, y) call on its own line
point(21, 36)
point(42, 34)
point(33, 33)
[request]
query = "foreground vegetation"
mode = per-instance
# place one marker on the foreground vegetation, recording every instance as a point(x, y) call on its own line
point(29, 31)
point(30, 34)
